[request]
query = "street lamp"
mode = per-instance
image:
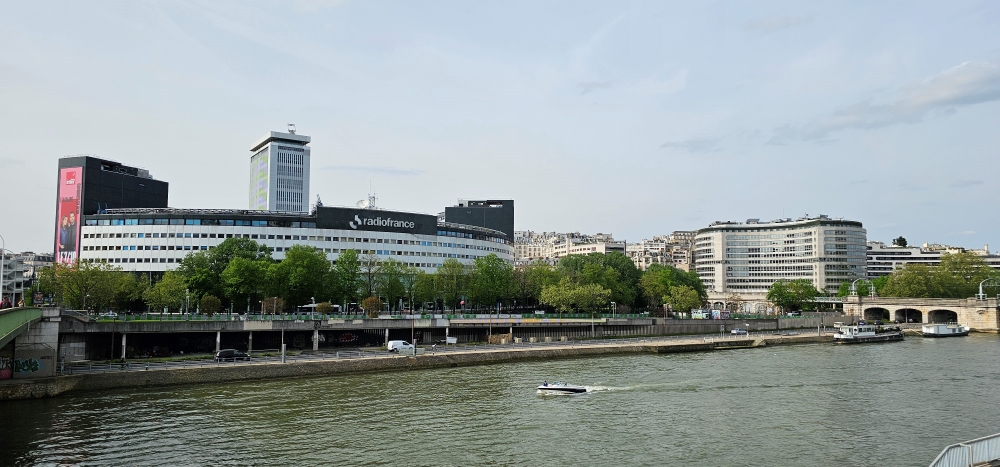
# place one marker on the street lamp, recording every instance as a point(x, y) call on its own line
point(614, 310)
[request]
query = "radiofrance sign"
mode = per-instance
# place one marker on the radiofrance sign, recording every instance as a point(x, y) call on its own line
point(380, 222)
point(329, 217)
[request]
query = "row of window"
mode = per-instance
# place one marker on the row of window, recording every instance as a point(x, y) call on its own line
point(222, 222)
point(289, 237)
point(770, 236)
point(178, 260)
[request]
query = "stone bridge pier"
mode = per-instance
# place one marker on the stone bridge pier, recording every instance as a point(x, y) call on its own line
point(980, 315)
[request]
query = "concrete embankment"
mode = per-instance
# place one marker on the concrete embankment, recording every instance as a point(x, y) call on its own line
point(53, 386)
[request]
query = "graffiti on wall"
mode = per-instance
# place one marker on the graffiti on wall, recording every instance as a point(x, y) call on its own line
point(6, 368)
point(27, 365)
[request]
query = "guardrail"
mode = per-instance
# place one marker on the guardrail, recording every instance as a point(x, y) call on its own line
point(78, 368)
point(14, 321)
point(968, 453)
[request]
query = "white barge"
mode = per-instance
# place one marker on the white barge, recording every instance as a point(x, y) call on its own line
point(865, 333)
point(944, 330)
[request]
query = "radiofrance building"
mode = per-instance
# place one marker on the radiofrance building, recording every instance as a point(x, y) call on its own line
point(153, 238)
point(747, 258)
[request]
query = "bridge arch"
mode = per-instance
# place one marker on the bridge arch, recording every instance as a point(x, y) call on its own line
point(908, 315)
point(942, 316)
point(875, 313)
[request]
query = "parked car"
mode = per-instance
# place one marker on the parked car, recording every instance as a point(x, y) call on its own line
point(231, 355)
point(738, 331)
point(109, 315)
point(396, 346)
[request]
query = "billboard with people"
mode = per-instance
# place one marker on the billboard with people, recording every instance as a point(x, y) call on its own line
point(68, 214)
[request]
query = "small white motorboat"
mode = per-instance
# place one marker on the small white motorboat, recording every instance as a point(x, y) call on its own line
point(560, 388)
point(944, 330)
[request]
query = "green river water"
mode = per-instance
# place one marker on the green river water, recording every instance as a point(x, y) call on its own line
point(895, 404)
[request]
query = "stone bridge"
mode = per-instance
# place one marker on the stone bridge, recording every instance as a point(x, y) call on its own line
point(980, 315)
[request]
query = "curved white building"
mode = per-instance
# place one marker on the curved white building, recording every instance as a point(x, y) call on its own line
point(746, 258)
point(157, 239)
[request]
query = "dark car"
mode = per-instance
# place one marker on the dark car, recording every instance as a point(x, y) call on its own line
point(231, 355)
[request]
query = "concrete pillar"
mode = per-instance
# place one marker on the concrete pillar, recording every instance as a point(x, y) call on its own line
point(250, 343)
point(386, 336)
point(315, 339)
point(123, 345)
point(218, 340)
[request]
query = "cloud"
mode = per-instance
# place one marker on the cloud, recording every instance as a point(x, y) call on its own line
point(965, 183)
point(773, 24)
point(587, 86)
point(373, 169)
point(967, 84)
point(694, 145)
point(967, 232)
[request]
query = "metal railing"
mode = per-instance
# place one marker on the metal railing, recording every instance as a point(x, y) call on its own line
point(969, 453)
point(268, 358)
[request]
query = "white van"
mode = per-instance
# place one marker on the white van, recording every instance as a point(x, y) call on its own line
point(395, 346)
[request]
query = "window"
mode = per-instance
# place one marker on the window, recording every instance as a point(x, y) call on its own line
point(145, 221)
point(176, 221)
point(159, 222)
point(226, 222)
point(192, 221)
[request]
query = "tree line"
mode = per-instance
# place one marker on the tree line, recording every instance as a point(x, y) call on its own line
point(240, 275)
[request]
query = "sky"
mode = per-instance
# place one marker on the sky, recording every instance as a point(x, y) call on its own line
point(632, 118)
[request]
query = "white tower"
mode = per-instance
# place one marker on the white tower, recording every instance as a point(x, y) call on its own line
point(279, 172)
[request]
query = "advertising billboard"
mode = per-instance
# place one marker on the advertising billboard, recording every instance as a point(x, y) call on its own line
point(68, 214)
point(259, 180)
point(377, 220)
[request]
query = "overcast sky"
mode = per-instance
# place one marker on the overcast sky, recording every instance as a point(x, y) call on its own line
point(632, 118)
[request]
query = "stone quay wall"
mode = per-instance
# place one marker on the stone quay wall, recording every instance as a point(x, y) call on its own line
point(53, 386)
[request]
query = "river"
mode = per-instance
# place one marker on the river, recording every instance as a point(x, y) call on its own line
point(895, 404)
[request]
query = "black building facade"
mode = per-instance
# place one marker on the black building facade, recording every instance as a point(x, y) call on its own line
point(87, 185)
point(492, 214)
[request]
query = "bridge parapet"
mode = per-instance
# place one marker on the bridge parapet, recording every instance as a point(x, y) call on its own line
point(981, 315)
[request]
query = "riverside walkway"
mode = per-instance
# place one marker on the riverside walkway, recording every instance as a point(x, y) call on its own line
point(81, 377)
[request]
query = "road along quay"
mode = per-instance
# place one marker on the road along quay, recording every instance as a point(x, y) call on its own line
point(139, 375)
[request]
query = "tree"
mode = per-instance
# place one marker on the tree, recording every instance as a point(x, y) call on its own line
point(300, 276)
point(899, 241)
point(425, 288)
point(90, 285)
point(390, 284)
point(596, 268)
point(369, 274)
point(169, 293)
point(324, 308)
point(793, 295)
point(345, 277)
point(532, 279)
point(568, 296)
point(452, 282)
point(128, 290)
point(961, 274)
point(372, 305)
point(682, 298)
point(210, 304)
point(244, 279)
point(273, 305)
point(203, 270)
point(491, 280)
point(408, 278)
point(658, 279)
point(914, 281)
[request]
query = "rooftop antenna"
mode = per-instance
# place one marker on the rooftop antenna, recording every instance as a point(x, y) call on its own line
point(291, 128)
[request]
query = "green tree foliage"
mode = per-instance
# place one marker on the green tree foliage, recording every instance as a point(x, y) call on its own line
point(568, 296)
point(596, 268)
point(491, 281)
point(408, 278)
point(793, 295)
point(345, 278)
point(370, 272)
point(128, 291)
point(425, 288)
point(300, 276)
point(244, 280)
point(203, 270)
point(899, 241)
point(656, 282)
point(210, 305)
point(324, 308)
point(390, 282)
point(957, 276)
point(863, 288)
point(169, 293)
point(682, 298)
point(452, 282)
point(91, 285)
